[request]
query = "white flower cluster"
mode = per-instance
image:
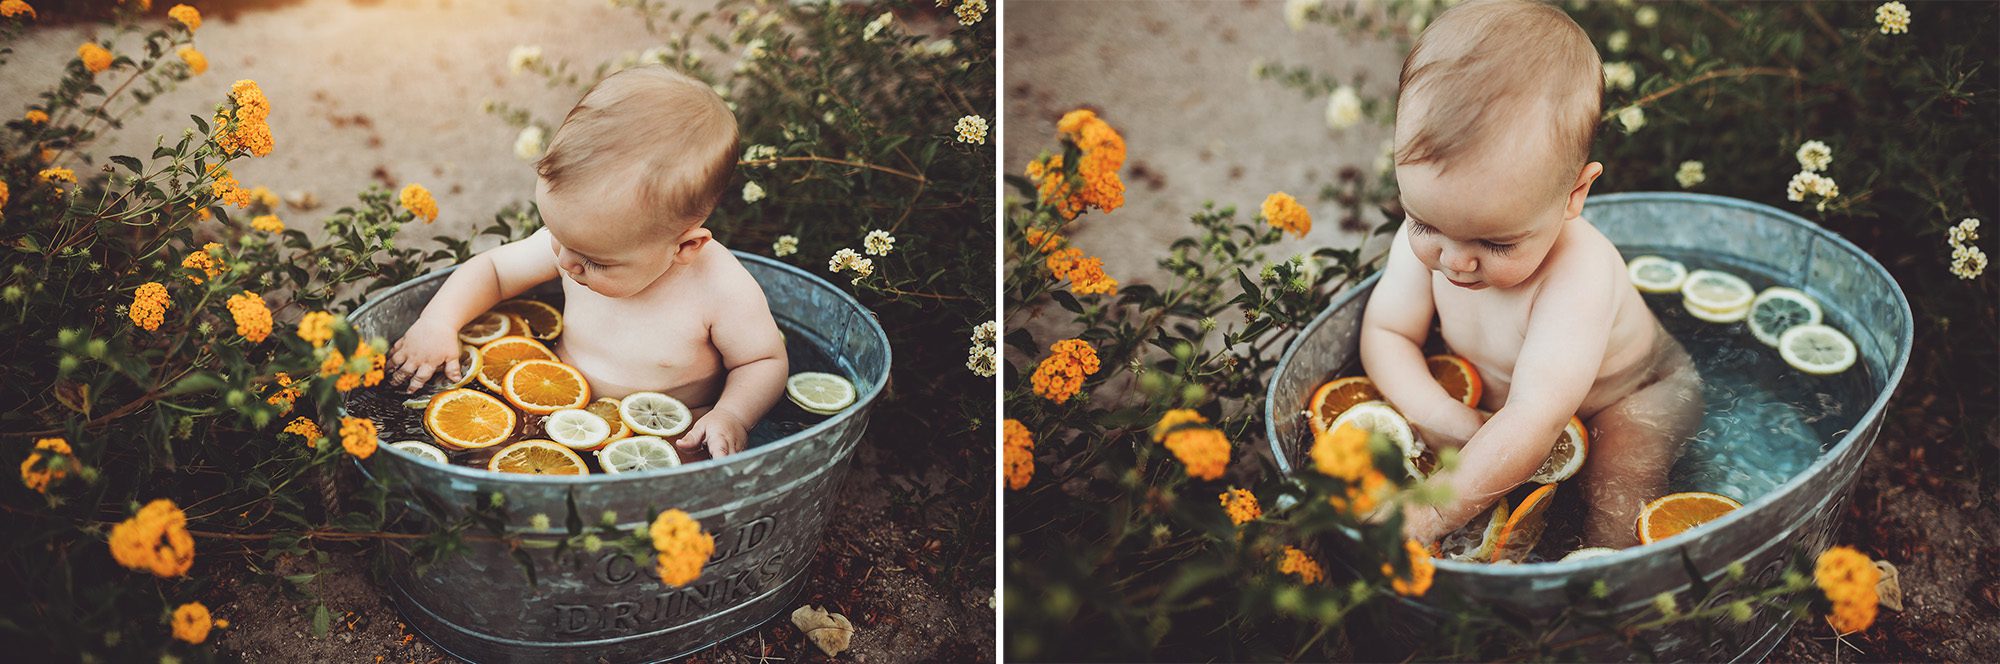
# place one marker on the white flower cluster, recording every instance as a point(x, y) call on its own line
point(1808, 182)
point(658, 55)
point(752, 192)
point(530, 144)
point(970, 11)
point(1691, 173)
point(760, 153)
point(1632, 118)
point(1646, 17)
point(983, 358)
point(1619, 76)
point(1297, 11)
point(971, 129)
point(846, 259)
point(1618, 41)
point(785, 246)
point(523, 57)
point(936, 48)
point(1814, 156)
point(875, 27)
point(878, 243)
point(751, 52)
point(1343, 108)
point(1893, 17)
point(1967, 260)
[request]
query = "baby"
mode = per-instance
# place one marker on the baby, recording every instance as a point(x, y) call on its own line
point(650, 301)
point(1494, 122)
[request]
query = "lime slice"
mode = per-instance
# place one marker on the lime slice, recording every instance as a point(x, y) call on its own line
point(1778, 309)
point(1379, 417)
point(1704, 313)
point(1653, 274)
point(1588, 553)
point(418, 402)
point(654, 414)
point(578, 429)
point(637, 453)
point(1816, 349)
point(421, 450)
point(484, 328)
point(820, 393)
point(1716, 291)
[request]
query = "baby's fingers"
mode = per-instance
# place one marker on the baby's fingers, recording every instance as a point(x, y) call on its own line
point(423, 376)
point(451, 369)
point(694, 438)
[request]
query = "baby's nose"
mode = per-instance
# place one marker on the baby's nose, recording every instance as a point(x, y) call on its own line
point(1461, 263)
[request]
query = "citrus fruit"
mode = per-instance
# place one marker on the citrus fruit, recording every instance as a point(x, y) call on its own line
point(1653, 274)
point(1778, 309)
point(1458, 378)
point(541, 387)
point(484, 328)
point(637, 453)
point(1378, 417)
point(607, 408)
point(499, 356)
point(1524, 525)
point(1496, 521)
point(1816, 349)
point(1566, 458)
point(543, 321)
point(819, 393)
point(578, 429)
point(1336, 396)
point(1716, 291)
point(654, 414)
point(421, 450)
point(468, 366)
point(468, 418)
point(538, 457)
point(417, 402)
point(1674, 513)
point(1588, 553)
point(1714, 316)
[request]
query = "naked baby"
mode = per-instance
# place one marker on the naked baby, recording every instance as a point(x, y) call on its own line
point(1498, 105)
point(650, 301)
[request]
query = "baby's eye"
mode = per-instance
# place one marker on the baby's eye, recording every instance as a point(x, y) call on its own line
point(1418, 227)
point(1502, 249)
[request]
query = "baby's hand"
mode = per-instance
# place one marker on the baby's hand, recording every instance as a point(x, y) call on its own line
point(426, 346)
point(721, 431)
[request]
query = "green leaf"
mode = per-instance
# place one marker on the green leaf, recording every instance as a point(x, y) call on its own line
point(322, 620)
point(129, 163)
point(574, 523)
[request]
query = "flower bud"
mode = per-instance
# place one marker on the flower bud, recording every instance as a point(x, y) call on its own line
point(539, 522)
point(68, 363)
point(96, 348)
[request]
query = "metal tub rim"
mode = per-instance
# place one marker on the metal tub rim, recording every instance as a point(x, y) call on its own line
point(1892, 377)
point(862, 400)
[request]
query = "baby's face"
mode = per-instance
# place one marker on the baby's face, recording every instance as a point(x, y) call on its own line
point(602, 240)
point(1485, 223)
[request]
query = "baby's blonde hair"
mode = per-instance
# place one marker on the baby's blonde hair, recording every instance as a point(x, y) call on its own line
point(1481, 65)
point(673, 129)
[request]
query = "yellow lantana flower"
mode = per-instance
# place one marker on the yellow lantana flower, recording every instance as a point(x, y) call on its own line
point(1296, 562)
point(45, 454)
point(1421, 571)
point(683, 547)
point(191, 622)
point(1241, 505)
point(1061, 375)
point(94, 57)
point(1019, 453)
point(154, 540)
point(419, 202)
point(188, 16)
point(357, 436)
point(1285, 213)
point(1848, 578)
point(196, 62)
point(253, 319)
point(149, 306)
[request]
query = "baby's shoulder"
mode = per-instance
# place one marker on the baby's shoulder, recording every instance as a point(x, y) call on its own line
point(718, 269)
point(1586, 251)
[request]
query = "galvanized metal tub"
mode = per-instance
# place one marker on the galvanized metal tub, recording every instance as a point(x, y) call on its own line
point(766, 507)
point(1860, 297)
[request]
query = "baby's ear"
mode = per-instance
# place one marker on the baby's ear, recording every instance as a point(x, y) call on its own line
point(690, 243)
point(1579, 191)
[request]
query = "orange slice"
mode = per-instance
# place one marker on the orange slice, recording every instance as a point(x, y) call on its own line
point(1566, 458)
point(1524, 526)
point(1674, 513)
point(543, 321)
point(541, 387)
point(484, 328)
point(1338, 395)
point(467, 418)
point(538, 457)
point(1458, 378)
point(607, 408)
point(500, 356)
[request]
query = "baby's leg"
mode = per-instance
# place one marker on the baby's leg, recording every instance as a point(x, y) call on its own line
point(1633, 444)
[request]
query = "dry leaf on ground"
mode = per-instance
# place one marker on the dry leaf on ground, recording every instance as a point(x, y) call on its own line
point(829, 631)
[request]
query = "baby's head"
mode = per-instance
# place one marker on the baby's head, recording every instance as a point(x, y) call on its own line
point(1498, 105)
point(631, 176)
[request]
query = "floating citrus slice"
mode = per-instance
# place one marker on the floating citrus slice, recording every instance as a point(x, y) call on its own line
point(819, 393)
point(1496, 521)
point(607, 408)
point(1713, 316)
point(421, 450)
point(468, 366)
point(1524, 526)
point(1778, 309)
point(1653, 274)
point(1816, 349)
point(1378, 417)
point(1675, 513)
point(578, 429)
point(543, 321)
point(484, 328)
point(1717, 291)
point(538, 457)
point(1458, 378)
point(1566, 458)
point(499, 356)
point(1338, 395)
point(541, 387)
point(1588, 553)
point(637, 453)
point(467, 418)
point(654, 414)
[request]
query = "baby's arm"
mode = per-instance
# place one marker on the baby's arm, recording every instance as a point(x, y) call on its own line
point(1393, 328)
point(494, 275)
point(754, 355)
point(1567, 334)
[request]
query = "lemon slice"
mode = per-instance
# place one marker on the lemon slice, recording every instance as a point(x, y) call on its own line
point(468, 366)
point(1816, 349)
point(1588, 553)
point(1566, 458)
point(1716, 291)
point(1653, 274)
point(1712, 316)
point(579, 429)
point(484, 328)
point(1378, 417)
point(1778, 309)
point(654, 414)
point(819, 393)
point(422, 450)
point(637, 453)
